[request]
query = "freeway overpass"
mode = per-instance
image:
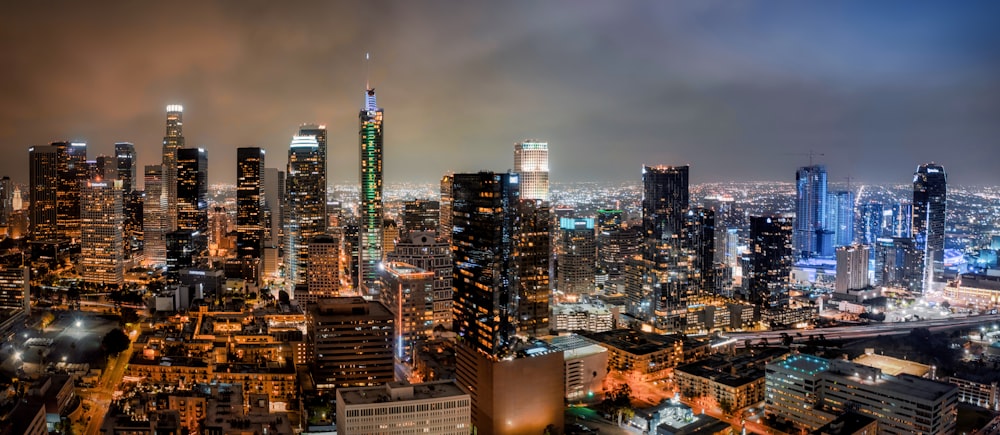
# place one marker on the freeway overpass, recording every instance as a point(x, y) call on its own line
point(864, 331)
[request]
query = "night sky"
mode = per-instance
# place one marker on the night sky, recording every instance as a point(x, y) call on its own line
point(740, 90)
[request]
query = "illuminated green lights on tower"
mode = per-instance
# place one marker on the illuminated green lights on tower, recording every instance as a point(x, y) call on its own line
point(370, 209)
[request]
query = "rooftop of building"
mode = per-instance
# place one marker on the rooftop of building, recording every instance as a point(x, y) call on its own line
point(397, 391)
point(893, 366)
point(574, 346)
point(634, 342)
point(847, 423)
point(399, 268)
point(806, 364)
point(730, 370)
point(579, 308)
point(349, 306)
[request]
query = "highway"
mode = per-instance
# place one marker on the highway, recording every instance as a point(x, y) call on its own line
point(99, 397)
point(862, 331)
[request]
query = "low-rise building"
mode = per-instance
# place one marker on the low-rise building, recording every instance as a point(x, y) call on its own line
point(581, 317)
point(439, 407)
point(586, 366)
point(647, 354)
point(732, 382)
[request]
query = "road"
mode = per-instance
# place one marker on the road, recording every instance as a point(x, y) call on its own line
point(99, 397)
point(866, 331)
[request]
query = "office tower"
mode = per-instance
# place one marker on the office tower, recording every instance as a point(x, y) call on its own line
point(350, 250)
point(43, 193)
point(15, 288)
point(125, 170)
point(665, 198)
point(407, 291)
point(771, 258)
point(699, 237)
point(102, 220)
point(898, 263)
point(840, 217)
point(102, 168)
point(125, 166)
point(182, 247)
point(306, 206)
point(930, 190)
point(444, 225)
point(323, 276)
point(901, 220)
point(531, 162)
point(439, 407)
point(352, 343)
point(871, 222)
point(319, 132)
point(390, 234)
point(172, 141)
point(732, 247)
point(810, 211)
point(73, 171)
point(532, 243)
point(371, 212)
point(274, 218)
point(420, 215)
point(615, 247)
point(852, 268)
point(192, 190)
point(6, 194)
point(17, 202)
point(608, 222)
point(154, 220)
point(485, 279)
point(250, 202)
point(810, 391)
point(577, 256)
point(428, 252)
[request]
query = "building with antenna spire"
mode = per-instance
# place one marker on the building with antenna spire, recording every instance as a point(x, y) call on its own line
point(370, 208)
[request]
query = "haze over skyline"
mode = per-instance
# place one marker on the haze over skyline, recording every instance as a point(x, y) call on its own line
point(738, 90)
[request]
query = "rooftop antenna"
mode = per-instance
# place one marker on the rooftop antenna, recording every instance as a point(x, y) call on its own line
point(368, 69)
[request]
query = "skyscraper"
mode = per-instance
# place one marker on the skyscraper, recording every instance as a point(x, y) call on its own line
point(250, 202)
point(323, 277)
point(578, 255)
point(73, 172)
point(531, 162)
point(192, 190)
point(810, 212)
point(125, 165)
point(532, 244)
point(406, 290)
point(319, 132)
point(429, 252)
point(930, 191)
point(699, 238)
point(771, 258)
point(840, 217)
point(665, 198)
point(371, 213)
point(352, 342)
point(154, 219)
point(43, 162)
point(898, 263)
point(172, 141)
point(274, 218)
point(305, 206)
point(6, 204)
point(485, 277)
point(444, 225)
point(125, 170)
point(871, 222)
point(102, 220)
point(852, 268)
point(420, 215)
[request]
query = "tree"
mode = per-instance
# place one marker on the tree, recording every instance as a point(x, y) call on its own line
point(283, 298)
point(115, 342)
point(129, 315)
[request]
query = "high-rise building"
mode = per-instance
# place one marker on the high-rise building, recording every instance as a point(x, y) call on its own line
point(872, 224)
point(665, 198)
point(852, 268)
point(407, 291)
point(6, 195)
point(125, 170)
point(15, 288)
point(578, 255)
point(901, 220)
point(811, 239)
point(699, 238)
point(44, 184)
point(531, 162)
point(73, 172)
point(352, 343)
point(192, 194)
point(125, 165)
point(840, 217)
point(250, 203)
point(444, 225)
point(306, 206)
point(428, 252)
point(617, 246)
point(172, 141)
point(485, 279)
point(532, 244)
point(930, 191)
point(319, 132)
point(154, 220)
point(102, 220)
point(323, 276)
point(274, 217)
point(420, 215)
point(771, 258)
point(390, 235)
point(898, 263)
point(438, 407)
point(370, 209)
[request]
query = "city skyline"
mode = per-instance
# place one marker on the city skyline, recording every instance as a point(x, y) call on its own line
point(739, 92)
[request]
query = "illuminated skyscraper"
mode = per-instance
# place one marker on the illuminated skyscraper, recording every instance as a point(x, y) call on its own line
point(930, 191)
point(370, 210)
point(771, 259)
point(699, 239)
point(420, 215)
point(274, 197)
point(531, 162)
point(901, 220)
point(125, 170)
point(192, 190)
point(250, 202)
point(102, 220)
point(430, 253)
point(125, 165)
point(852, 268)
point(578, 255)
point(323, 277)
point(351, 341)
point(840, 217)
point(533, 241)
point(665, 198)
point(444, 226)
point(810, 212)
point(305, 206)
point(73, 172)
point(871, 222)
point(43, 165)
point(406, 290)
point(154, 219)
point(173, 141)
point(6, 195)
point(485, 277)
point(319, 132)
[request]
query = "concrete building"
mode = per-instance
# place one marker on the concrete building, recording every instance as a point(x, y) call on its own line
point(732, 382)
point(531, 161)
point(980, 291)
point(644, 354)
point(581, 317)
point(406, 291)
point(323, 276)
point(102, 241)
point(586, 366)
point(577, 262)
point(439, 407)
point(852, 268)
point(352, 343)
point(426, 251)
point(15, 288)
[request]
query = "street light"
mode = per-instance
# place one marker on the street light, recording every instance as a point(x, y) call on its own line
point(78, 324)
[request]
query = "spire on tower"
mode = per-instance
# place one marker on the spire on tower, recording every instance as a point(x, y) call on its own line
point(370, 104)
